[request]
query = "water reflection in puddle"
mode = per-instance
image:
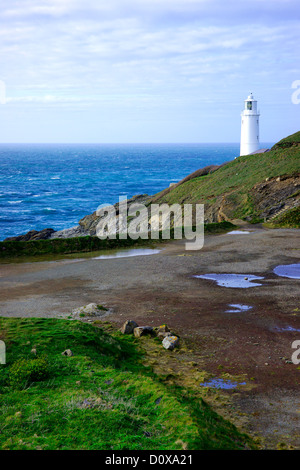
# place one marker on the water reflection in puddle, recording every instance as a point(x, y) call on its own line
point(232, 280)
point(237, 232)
point(288, 270)
point(130, 253)
point(287, 328)
point(222, 384)
point(237, 308)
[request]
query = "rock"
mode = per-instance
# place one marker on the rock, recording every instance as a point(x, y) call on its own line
point(170, 342)
point(67, 352)
point(142, 331)
point(161, 334)
point(33, 351)
point(76, 231)
point(163, 329)
point(90, 310)
point(128, 327)
point(32, 235)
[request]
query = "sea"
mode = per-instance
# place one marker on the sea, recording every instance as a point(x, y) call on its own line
point(55, 185)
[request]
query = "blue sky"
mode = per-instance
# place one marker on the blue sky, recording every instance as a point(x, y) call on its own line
point(147, 70)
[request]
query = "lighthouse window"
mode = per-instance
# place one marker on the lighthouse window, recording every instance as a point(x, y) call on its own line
point(249, 105)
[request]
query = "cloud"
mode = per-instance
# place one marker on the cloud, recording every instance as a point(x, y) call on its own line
point(147, 53)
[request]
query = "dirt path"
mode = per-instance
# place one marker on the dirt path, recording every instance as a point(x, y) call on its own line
point(161, 289)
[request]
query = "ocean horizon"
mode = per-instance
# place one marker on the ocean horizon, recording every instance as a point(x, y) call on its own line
point(55, 185)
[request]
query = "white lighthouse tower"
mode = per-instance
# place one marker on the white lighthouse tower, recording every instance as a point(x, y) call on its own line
point(249, 127)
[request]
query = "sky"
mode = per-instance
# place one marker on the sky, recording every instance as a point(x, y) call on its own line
point(123, 71)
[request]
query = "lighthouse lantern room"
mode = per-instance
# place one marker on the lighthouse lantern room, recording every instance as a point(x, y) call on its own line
point(249, 127)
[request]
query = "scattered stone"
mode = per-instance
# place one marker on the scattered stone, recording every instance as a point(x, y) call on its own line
point(170, 342)
point(128, 327)
point(67, 352)
point(142, 331)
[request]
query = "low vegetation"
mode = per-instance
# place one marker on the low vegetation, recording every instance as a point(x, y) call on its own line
point(100, 397)
point(58, 246)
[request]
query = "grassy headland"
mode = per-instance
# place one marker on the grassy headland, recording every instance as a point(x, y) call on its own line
point(243, 188)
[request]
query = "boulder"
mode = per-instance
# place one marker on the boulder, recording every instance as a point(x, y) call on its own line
point(170, 342)
point(67, 352)
point(128, 327)
point(142, 331)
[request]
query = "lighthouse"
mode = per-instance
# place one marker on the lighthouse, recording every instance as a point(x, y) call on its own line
point(249, 127)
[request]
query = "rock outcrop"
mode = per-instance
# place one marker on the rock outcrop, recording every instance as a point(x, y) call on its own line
point(72, 232)
point(32, 235)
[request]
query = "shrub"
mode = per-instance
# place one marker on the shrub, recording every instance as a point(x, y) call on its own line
point(28, 370)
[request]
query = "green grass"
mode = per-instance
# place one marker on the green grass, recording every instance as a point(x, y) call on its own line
point(236, 179)
point(102, 397)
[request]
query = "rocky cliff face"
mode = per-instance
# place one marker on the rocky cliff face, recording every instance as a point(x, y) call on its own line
point(269, 198)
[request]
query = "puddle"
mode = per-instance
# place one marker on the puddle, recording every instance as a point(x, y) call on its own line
point(238, 308)
point(242, 281)
point(237, 232)
point(222, 384)
point(288, 270)
point(130, 253)
point(287, 328)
